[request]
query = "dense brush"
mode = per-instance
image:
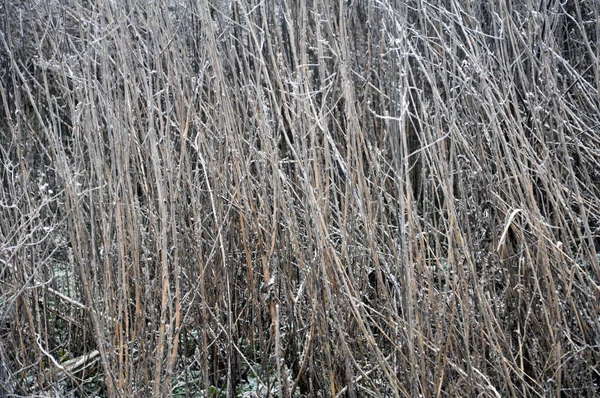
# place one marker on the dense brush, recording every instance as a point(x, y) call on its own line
point(300, 198)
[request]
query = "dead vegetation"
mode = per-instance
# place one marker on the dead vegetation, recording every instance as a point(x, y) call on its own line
point(299, 198)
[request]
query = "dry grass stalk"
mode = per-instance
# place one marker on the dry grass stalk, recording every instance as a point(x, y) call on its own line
point(310, 198)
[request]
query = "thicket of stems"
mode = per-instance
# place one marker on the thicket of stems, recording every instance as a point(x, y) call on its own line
point(326, 198)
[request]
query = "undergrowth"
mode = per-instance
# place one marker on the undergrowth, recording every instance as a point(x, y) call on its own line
point(299, 198)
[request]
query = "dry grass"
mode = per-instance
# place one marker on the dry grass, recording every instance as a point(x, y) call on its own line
point(312, 198)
